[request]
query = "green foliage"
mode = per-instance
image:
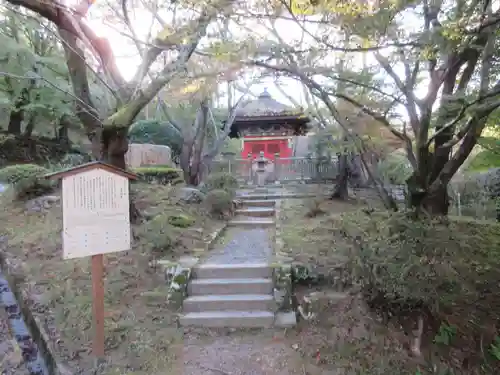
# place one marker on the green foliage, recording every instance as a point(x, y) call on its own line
point(181, 221)
point(157, 133)
point(223, 181)
point(402, 263)
point(27, 180)
point(495, 348)
point(488, 157)
point(69, 161)
point(34, 68)
point(445, 334)
point(219, 203)
point(395, 168)
point(158, 235)
point(474, 193)
point(161, 174)
point(14, 173)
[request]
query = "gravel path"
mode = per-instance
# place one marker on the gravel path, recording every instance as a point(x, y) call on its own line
point(238, 354)
point(243, 246)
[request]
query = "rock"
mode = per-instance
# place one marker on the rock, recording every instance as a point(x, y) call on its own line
point(148, 215)
point(190, 195)
point(42, 203)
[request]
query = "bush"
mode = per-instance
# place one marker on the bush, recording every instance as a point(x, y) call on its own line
point(395, 168)
point(224, 181)
point(157, 235)
point(448, 268)
point(220, 203)
point(161, 174)
point(474, 195)
point(181, 221)
point(27, 180)
point(157, 133)
point(72, 160)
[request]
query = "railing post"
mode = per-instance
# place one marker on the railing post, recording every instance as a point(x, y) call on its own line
point(250, 169)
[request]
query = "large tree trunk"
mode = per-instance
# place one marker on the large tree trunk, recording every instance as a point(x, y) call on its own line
point(341, 190)
point(437, 202)
point(114, 146)
point(434, 201)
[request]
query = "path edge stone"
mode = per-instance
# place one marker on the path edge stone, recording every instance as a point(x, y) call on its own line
point(282, 277)
point(39, 335)
point(178, 274)
point(215, 236)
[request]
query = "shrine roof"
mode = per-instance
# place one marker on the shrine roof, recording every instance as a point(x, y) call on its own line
point(266, 106)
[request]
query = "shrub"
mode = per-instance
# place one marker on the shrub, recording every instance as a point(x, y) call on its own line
point(474, 195)
point(161, 174)
point(449, 268)
point(157, 133)
point(224, 181)
point(394, 168)
point(157, 235)
point(181, 221)
point(27, 180)
point(219, 203)
point(72, 160)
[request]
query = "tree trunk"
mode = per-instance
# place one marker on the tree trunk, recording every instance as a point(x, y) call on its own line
point(437, 202)
point(30, 126)
point(432, 201)
point(62, 131)
point(114, 146)
point(341, 190)
point(17, 113)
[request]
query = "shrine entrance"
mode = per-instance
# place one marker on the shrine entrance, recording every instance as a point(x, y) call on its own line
point(270, 146)
point(268, 126)
point(267, 129)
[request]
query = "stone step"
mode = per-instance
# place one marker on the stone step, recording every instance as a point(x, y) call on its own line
point(228, 319)
point(232, 271)
point(229, 302)
point(274, 196)
point(256, 211)
point(261, 197)
point(203, 287)
point(258, 203)
point(242, 221)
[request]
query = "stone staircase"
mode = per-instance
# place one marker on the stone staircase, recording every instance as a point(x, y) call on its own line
point(234, 295)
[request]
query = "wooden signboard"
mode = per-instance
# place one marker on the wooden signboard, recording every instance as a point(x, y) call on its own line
point(96, 221)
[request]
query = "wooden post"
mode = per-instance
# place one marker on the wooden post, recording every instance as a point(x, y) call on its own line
point(98, 304)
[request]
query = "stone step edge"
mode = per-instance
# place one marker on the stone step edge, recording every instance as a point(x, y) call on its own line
point(278, 320)
point(255, 201)
point(251, 222)
point(230, 297)
point(259, 280)
point(225, 266)
point(228, 319)
point(254, 210)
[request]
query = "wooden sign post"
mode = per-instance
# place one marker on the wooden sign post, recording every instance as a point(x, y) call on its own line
point(96, 221)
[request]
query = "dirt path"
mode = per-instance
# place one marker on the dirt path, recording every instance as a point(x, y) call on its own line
point(256, 352)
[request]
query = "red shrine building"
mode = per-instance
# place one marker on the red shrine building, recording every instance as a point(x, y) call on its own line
point(267, 125)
